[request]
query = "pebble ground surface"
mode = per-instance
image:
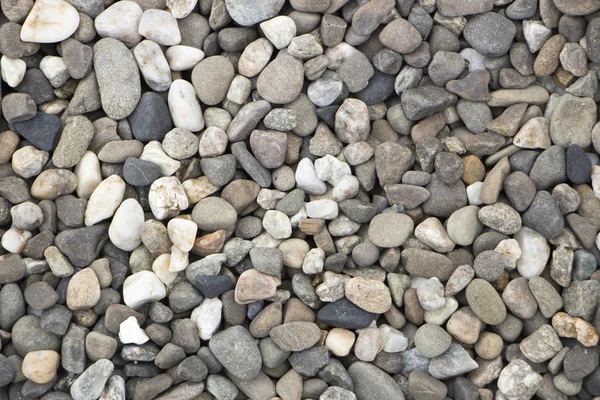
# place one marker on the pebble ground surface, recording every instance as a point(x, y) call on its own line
point(299, 199)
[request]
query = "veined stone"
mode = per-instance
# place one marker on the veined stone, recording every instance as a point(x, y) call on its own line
point(50, 21)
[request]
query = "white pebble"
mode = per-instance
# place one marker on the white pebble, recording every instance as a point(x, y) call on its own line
point(475, 59)
point(182, 58)
point(55, 70)
point(13, 70)
point(277, 224)
point(322, 208)
point(207, 317)
point(185, 109)
point(394, 341)
point(596, 180)
point(179, 259)
point(88, 174)
point(167, 197)
point(279, 30)
point(431, 294)
point(130, 332)
point(433, 234)
point(125, 230)
point(239, 89)
point(331, 170)
point(306, 178)
point(161, 267)
point(28, 161)
point(474, 193)
point(153, 65)
point(181, 8)
point(510, 252)
point(535, 252)
point(314, 261)
point(14, 240)
point(346, 188)
point(141, 288)
point(340, 341)
point(105, 200)
point(120, 21)
point(160, 27)
point(182, 233)
point(50, 21)
point(536, 34)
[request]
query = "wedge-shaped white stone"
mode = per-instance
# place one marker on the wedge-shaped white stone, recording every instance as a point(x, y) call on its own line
point(153, 64)
point(185, 109)
point(120, 21)
point(105, 200)
point(182, 58)
point(125, 230)
point(160, 26)
point(141, 288)
point(535, 134)
point(50, 21)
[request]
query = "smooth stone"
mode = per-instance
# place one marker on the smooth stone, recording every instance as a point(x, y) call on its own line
point(371, 382)
point(485, 302)
point(126, 226)
point(118, 78)
point(41, 131)
point(237, 352)
point(151, 119)
point(248, 13)
point(120, 21)
point(185, 109)
point(280, 81)
point(160, 27)
point(50, 21)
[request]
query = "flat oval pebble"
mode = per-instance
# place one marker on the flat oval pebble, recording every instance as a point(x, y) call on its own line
point(117, 73)
point(485, 302)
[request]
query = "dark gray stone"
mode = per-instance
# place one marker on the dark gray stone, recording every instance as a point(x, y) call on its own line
point(82, 246)
point(237, 352)
point(579, 166)
point(345, 314)
point(151, 119)
point(42, 130)
point(544, 215)
point(140, 172)
point(424, 101)
point(308, 362)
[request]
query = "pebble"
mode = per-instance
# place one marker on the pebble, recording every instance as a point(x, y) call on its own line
point(90, 383)
point(245, 361)
point(141, 288)
point(117, 73)
point(120, 21)
point(485, 302)
point(280, 81)
point(50, 21)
